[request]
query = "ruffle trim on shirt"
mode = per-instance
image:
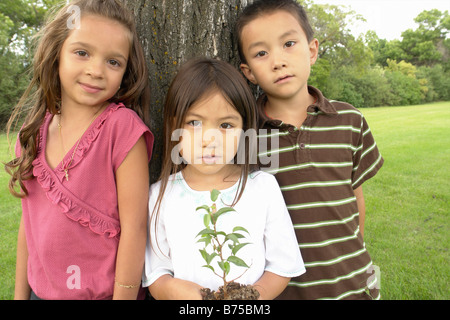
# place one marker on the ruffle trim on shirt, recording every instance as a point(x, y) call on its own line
point(71, 209)
point(98, 224)
point(91, 135)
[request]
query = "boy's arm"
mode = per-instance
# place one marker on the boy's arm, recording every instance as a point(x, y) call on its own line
point(361, 208)
point(22, 289)
point(167, 287)
point(270, 285)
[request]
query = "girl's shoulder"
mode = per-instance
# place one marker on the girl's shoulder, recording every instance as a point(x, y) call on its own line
point(123, 127)
point(173, 179)
point(263, 181)
point(260, 176)
point(118, 114)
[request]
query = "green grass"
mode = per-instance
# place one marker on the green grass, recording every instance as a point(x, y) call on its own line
point(10, 212)
point(407, 204)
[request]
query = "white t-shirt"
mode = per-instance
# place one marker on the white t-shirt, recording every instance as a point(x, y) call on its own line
point(261, 210)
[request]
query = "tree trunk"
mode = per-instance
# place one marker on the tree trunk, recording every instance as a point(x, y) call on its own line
point(173, 31)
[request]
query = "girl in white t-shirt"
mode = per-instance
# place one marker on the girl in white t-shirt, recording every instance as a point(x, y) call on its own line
point(210, 141)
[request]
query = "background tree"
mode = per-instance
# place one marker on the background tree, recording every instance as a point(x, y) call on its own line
point(19, 21)
point(344, 60)
point(362, 70)
point(172, 31)
point(426, 45)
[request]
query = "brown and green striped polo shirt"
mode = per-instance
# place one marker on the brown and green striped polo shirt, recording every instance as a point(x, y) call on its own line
point(319, 165)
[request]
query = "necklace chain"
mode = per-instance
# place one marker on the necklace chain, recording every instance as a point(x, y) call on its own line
point(66, 166)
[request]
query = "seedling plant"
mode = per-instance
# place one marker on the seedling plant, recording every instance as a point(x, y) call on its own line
point(216, 240)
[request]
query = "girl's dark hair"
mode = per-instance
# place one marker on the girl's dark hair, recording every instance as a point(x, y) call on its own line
point(43, 93)
point(262, 7)
point(198, 79)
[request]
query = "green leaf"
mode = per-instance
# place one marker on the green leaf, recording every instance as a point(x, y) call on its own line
point(237, 261)
point(204, 207)
point(207, 220)
point(207, 257)
point(205, 231)
point(204, 254)
point(240, 229)
point(238, 235)
point(225, 266)
point(209, 267)
point(238, 247)
point(221, 211)
point(206, 239)
point(214, 194)
point(232, 237)
point(211, 257)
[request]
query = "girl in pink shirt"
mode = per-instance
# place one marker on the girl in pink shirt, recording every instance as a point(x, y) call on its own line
point(82, 158)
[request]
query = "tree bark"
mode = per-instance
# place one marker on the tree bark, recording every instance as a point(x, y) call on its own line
point(173, 31)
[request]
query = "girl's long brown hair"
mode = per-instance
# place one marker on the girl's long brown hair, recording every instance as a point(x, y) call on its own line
point(197, 79)
point(43, 93)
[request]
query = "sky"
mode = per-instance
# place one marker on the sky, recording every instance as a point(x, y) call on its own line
point(388, 18)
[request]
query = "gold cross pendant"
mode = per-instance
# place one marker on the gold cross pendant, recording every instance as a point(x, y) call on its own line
point(67, 174)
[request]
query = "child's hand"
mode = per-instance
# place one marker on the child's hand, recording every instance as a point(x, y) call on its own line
point(270, 285)
point(189, 290)
point(170, 288)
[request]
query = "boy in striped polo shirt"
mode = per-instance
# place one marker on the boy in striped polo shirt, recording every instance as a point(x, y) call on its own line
point(325, 152)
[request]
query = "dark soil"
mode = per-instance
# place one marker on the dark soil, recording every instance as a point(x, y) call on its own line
point(235, 291)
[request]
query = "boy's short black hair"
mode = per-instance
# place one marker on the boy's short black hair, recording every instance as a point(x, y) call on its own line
point(261, 7)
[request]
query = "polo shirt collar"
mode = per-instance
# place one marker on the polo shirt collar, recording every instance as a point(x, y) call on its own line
point(321, 104)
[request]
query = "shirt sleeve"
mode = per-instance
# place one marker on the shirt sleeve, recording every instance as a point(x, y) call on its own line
point(157, 251)
point(367, 160)
point(283, 255)
point(126, 128)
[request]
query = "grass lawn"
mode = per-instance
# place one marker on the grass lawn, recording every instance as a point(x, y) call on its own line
point(408, 201)
point(407, 204)
point(10, 213)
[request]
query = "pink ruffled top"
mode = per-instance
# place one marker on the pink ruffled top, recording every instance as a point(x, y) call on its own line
point(72, 227)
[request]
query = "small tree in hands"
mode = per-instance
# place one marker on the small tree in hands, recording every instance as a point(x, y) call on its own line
point(216, 240)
